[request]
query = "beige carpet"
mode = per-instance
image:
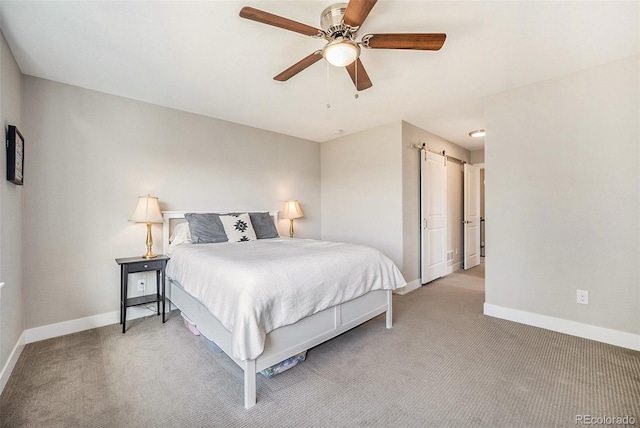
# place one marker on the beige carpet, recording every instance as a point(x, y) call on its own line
point(443, 364)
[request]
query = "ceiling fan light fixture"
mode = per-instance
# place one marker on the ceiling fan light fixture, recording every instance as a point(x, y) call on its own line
point(341, 52)
point(477, 133)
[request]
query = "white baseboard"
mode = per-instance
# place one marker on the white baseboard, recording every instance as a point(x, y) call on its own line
point(454, 267)
point(573, 328)
point(413, 285)
point(417, 283)
point(11, 362)
point(73, 326)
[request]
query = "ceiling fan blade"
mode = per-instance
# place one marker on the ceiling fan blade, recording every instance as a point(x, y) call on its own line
point(278, 21)
point(427, 42)
point(363, 81)
point(357, 11)
point(299, 66)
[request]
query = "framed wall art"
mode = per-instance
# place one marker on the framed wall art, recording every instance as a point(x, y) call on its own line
point(15, 155)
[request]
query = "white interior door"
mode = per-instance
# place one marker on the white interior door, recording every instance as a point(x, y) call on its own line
point(433, 210)
point(471, 216)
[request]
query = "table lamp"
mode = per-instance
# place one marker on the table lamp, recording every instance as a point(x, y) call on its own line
point(291, 210)
point(147, 211)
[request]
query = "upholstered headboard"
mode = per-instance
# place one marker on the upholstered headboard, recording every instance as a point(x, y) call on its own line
point(172, 218)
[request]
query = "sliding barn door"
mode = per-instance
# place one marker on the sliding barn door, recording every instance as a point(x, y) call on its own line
point(471, 216)
point(433, 208)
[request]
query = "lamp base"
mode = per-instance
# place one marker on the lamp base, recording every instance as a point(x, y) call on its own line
point(149, 254)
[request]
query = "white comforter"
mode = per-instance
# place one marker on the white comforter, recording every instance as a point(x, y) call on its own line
point(255, 287)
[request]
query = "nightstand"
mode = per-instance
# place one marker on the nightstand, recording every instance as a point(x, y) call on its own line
point(141, 264)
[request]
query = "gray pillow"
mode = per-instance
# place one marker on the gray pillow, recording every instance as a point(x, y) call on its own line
point(205, 228)
point(263, 225)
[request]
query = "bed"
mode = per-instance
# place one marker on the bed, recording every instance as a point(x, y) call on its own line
point(252, 337)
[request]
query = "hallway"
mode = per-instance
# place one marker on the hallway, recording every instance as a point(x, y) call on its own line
point(472, 279)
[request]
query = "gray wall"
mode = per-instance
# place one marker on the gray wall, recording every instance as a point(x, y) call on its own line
point(477, 156)
point(563, 197)
point(362, 190)
point(11, 197)
point(90, 155)
point(371, 191)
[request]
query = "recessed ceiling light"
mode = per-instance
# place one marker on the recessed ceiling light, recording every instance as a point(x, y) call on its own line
point(338, 131)
point(477, 133)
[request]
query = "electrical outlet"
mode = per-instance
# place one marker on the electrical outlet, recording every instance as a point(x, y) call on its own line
point(141, 284)
point(582, 297)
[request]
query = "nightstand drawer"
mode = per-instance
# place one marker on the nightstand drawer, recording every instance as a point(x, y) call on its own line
point(145, 266)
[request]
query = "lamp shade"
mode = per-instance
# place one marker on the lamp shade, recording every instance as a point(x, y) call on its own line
point(148, 210)
point(292, 210)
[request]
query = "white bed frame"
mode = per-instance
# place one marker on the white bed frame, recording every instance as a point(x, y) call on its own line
point(283, 342)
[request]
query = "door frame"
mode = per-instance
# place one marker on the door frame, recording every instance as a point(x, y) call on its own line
point(471, 217)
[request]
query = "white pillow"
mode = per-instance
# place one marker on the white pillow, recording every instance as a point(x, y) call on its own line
point(181, 235)
point(238, 227)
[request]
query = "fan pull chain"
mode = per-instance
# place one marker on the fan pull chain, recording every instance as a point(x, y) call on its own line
point(356, 95)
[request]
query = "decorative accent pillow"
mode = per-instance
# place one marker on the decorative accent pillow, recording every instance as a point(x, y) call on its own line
point(238, 227)
point(263, 225)
point(181, 235)
point(205, 228)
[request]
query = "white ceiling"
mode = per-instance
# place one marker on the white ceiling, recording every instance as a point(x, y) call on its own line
point(202, 57)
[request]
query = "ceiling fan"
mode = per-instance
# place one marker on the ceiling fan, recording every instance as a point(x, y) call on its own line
point(340, 23)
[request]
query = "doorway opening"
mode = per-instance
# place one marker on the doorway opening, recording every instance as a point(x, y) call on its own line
point(452, 214)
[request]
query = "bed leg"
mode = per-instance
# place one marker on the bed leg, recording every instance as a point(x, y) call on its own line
point(389, 309)
point(250, 384)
